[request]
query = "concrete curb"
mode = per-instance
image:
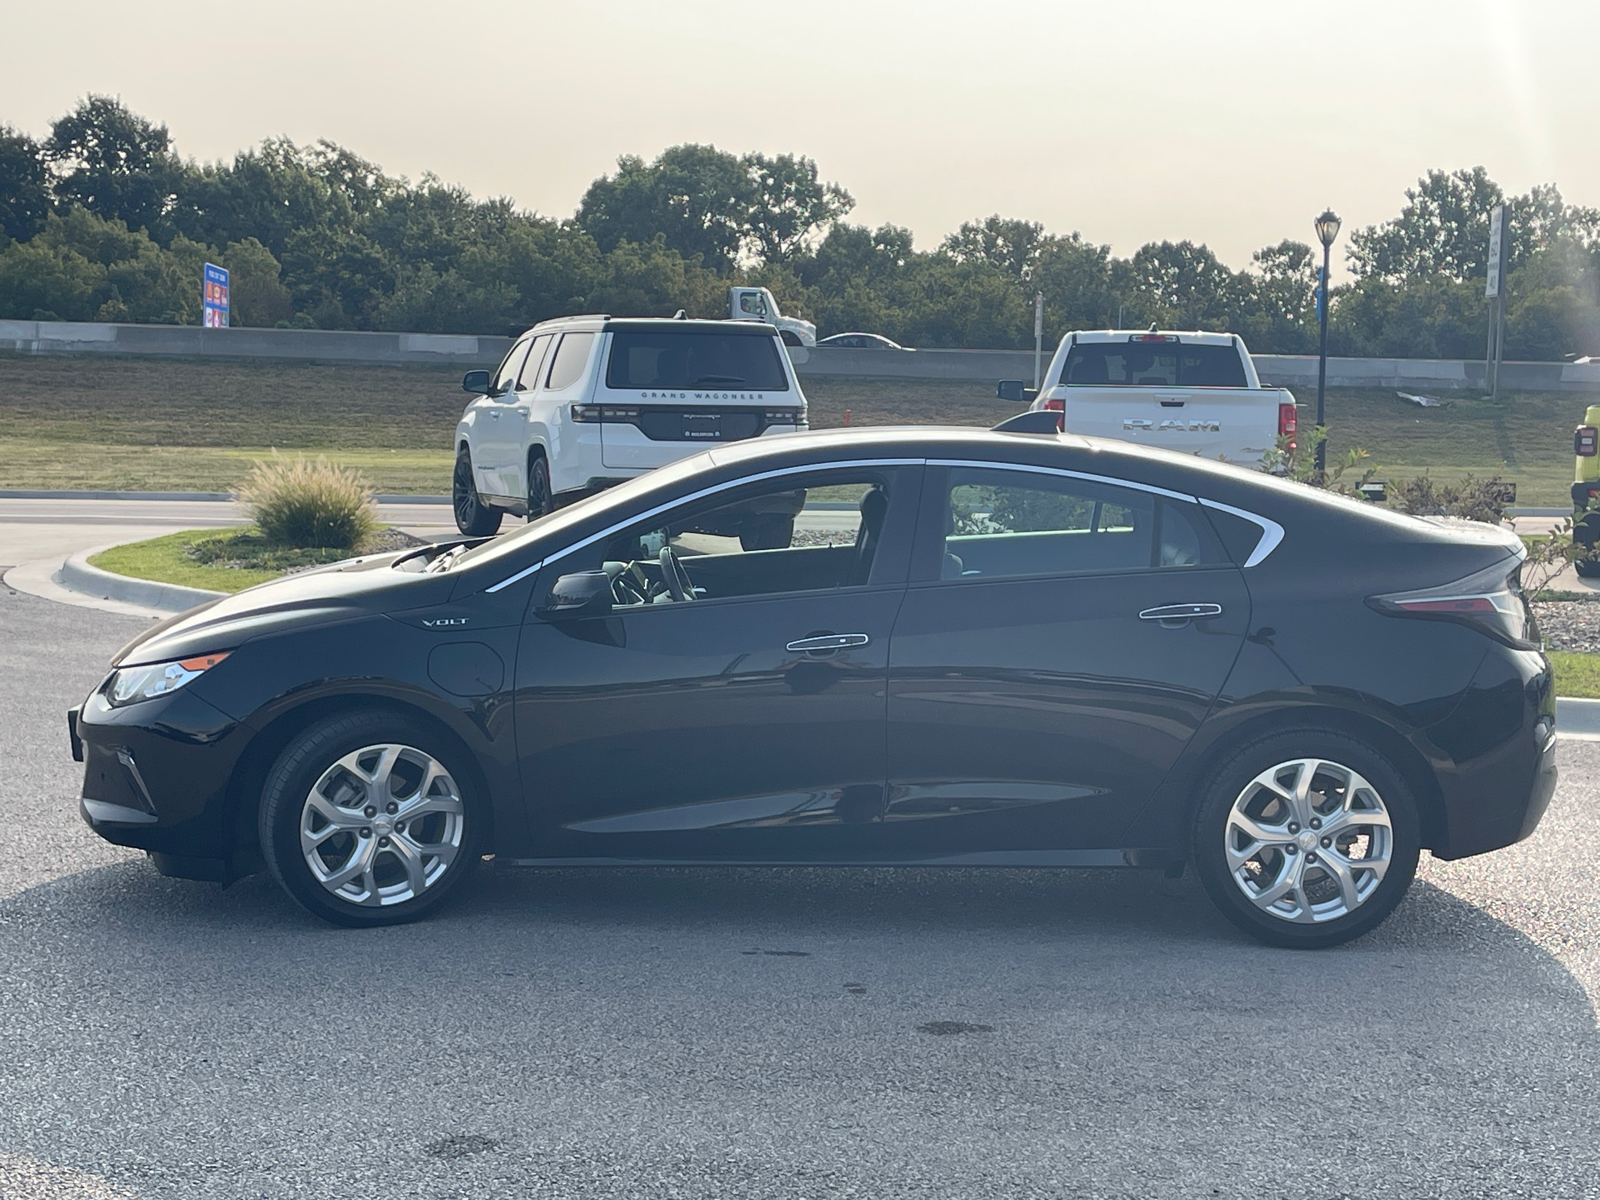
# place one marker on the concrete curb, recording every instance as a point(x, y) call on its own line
point(213, 497)
point(1578, 719)
point(77, 575)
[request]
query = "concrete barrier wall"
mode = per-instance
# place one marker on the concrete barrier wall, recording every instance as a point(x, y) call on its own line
point(978, 366)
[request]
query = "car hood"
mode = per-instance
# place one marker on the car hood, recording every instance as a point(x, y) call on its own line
point(342, 591)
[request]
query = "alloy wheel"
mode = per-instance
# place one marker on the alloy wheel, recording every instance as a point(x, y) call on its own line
point(382, 825)
point(465, 493)
point(1308, 840)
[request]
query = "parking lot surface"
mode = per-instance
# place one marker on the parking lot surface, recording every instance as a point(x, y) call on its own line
point(707, 1033)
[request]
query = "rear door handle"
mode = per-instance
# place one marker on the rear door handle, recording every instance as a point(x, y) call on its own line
point(1178, 614)
point(827, 641)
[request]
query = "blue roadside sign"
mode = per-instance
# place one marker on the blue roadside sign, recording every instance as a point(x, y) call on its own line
point(214, 303)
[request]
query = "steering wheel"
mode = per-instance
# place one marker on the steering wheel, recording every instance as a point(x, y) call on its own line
point(674, 576)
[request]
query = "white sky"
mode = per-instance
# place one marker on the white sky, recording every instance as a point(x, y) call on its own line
point(1232, 122)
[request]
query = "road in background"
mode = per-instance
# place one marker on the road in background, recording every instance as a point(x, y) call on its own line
point(771, 1033)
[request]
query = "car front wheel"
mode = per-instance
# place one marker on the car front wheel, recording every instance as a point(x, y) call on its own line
point(1306, 839)
point(367, 819)
point(473, 517)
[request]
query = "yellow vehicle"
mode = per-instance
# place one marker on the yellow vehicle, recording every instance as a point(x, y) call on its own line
point(1586, 493)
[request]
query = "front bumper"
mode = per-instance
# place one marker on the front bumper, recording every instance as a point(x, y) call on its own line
point(156, 776)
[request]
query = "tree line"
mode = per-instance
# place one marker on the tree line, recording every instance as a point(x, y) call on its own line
point(103, 220)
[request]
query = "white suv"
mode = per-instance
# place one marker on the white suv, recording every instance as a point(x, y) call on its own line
point(581, 403)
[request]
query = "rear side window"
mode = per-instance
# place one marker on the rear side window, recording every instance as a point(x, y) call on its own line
point(529, 379)
point(680, 361)
point(1006, 524)
point(1153, 364)
point(571, 356)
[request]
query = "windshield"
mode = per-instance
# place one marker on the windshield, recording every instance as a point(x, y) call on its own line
point(678, 360)
point(1153, 364)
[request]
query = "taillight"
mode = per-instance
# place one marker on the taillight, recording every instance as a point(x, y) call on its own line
point(1056, 405)
point(1585, 441)
point(1288, 424)
point(1491, 601)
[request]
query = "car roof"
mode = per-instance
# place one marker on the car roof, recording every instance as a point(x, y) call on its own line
point(606, 323)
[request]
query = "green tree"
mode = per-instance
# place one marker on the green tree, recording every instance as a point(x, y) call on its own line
point(785, 204)
point(695, 197)
point(1008, 245)
point(116, 164)
point(24, 185)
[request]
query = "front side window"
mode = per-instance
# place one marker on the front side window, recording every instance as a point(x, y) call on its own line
point(1001, 523)
point(571, 357)
point(807, 534)
point(689, 360)
point(506, 376)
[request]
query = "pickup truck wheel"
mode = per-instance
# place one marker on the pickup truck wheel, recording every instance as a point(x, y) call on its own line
point(1586, 567)
point(540, 500)
point(473, 517)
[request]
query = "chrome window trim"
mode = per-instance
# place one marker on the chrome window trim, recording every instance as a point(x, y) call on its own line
point(1037, 470)
point(701, 494)
point(1271, 531)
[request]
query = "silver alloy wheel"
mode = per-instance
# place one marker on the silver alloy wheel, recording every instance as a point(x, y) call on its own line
point(382, 825)
point(1308, 841)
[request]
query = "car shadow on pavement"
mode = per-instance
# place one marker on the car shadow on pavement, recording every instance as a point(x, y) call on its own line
point(1024, 1031)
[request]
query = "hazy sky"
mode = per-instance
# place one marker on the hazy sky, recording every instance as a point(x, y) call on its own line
point(1232, 122)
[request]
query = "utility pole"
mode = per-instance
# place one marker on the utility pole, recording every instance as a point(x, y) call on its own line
point(1038, 336)
point(1327, 226)
point(1494, 290)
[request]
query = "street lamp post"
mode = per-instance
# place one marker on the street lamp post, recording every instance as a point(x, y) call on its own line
point(1327, 230)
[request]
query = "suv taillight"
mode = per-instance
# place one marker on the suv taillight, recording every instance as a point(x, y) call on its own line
point(1056, 405)
point(1288, 424)
point(1585, 441)
point(1491, 601)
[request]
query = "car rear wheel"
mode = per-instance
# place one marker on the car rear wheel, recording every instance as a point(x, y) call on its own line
point(366, 820)
point(473, 517)
point(1306, 838)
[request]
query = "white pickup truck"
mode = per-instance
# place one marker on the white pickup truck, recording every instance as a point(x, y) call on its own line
point(759, 304)
point(1193, 392)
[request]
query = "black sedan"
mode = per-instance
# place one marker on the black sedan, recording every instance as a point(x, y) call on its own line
point(977, 649)
point(859, 341)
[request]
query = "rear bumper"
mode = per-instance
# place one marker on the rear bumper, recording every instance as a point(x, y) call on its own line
point(1495, 755)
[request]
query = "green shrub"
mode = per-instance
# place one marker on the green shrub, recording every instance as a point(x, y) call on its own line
point(305, 503)
point(1473, 498)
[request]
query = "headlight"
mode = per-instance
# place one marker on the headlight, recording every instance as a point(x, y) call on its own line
point(131, 684)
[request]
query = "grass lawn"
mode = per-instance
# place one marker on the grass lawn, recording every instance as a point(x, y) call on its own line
point(1577, 675)
point(163, 559)
point(166, 424)
point(168, 559)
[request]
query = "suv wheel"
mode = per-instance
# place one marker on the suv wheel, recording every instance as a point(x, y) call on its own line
point(540, 499)
point(473, 517)
point(1307, 838)
point(367, 820)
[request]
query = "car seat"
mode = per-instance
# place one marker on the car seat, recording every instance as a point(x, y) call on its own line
point(874, 508)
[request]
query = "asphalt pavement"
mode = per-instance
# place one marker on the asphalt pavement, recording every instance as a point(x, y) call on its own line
point(793, 1033)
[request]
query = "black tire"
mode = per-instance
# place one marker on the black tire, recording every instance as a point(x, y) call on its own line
point(1588, 568)
point(1228, 784)
point(316, 753)
point(540, 498)
point(473, 517)
point(767, 531)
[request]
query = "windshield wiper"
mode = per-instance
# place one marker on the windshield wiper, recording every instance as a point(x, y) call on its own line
point(446, 560)
point(717, 379)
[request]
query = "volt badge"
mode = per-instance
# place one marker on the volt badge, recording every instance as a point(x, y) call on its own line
point(444, 622)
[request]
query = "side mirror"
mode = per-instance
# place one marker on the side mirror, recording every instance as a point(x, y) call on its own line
point(582, 594)
point(476, 382)
point(1014, 390)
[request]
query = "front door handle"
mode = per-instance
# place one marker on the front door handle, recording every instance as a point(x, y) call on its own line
point(1173, 615)
point(827, 642)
